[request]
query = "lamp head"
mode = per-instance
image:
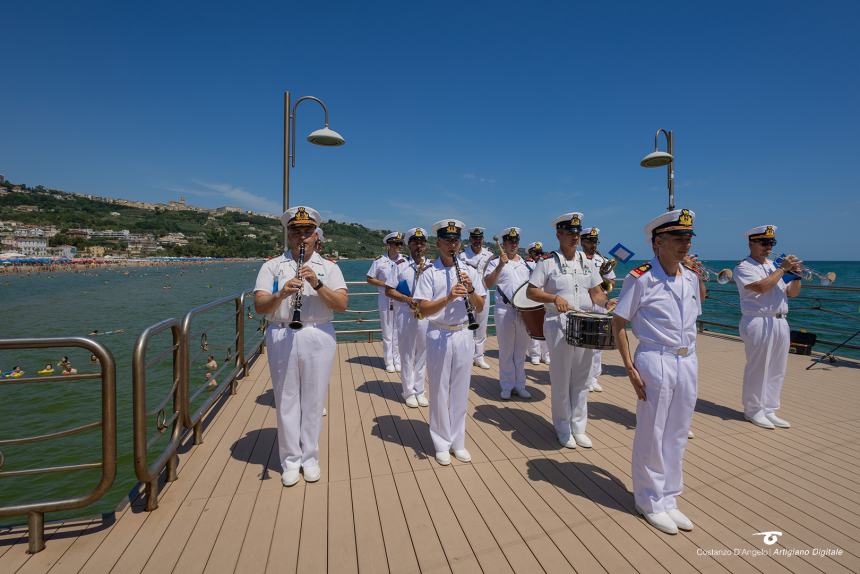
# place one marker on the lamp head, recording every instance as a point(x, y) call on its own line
point(656, 159)
point(327, 137)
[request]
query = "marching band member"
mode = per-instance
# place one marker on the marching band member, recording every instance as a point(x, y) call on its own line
point(411, 329)
point(442, 297)
point(476, 257)
point(763, 327)
point(300, 360)
point(589, 240)
point(507, 273)
point(379, 271)
point(537, 349)
point(661, 300)
point(564, 281)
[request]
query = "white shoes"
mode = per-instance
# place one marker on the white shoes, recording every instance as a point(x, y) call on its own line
point(506, 394)
point(290, 477)
point(681, 521)
point(690, 434)
point(569, 443)
point(480, 362)
point(778, 422)
point(412, 401)
point(397, 368)
point(443, 458)
point(312, 472)
point(582, 440)
point(462, 455)
point(595, 387)
point(523, 393)
point(660, 520)
point(545, 359)
point(535, 360)
point(325, 412)
point(761, 421)
point(389, 369)
point(422, 400)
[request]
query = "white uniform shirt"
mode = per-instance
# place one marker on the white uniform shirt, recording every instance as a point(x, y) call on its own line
point(773, 301)
point(283, 268)
point(437, 281)
point(661, 309)
point(511, 277)
point(571, 280)
point(382, 266)
point(406, 273)
point(476, 261)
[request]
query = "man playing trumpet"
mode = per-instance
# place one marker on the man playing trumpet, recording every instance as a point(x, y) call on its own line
point(537, 348)
point(411, 326)
point(763, 327)
point(507, 274)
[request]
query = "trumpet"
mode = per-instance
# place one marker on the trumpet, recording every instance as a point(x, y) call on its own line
point(706, 274)
point(806, 273)
point(608, 264)
point(296, 323)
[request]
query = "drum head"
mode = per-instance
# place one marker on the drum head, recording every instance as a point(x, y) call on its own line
point(521, 300)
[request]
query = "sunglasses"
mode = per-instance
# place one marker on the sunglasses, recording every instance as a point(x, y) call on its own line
point(765, 242)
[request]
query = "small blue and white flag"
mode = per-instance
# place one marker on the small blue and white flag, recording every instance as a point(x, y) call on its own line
point(621, 253)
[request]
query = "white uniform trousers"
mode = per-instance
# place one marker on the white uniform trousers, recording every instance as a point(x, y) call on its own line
point(513, 342)
point(300, 363)
point(569, 370)
point(480, 334)
point(390, 350)
point(449, 367)
point(766, 340)
point(538, 349)
point(596, 367)
point(662, 423)
point(412, 337)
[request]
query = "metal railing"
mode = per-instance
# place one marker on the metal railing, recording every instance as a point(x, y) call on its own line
point(149, 474)
point(181, 419)
point(35, 511)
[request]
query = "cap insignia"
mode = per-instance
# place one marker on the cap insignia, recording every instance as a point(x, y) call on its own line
point(685, 218)
point(769, 231)
point(575, 220)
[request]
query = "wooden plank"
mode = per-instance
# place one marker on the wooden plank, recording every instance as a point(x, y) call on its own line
point(286, 536)
point(368, 532)
point(398, 544)
point(342, 553)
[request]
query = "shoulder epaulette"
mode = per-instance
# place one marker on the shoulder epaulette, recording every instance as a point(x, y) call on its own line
point(641, 270)
point(547, 255)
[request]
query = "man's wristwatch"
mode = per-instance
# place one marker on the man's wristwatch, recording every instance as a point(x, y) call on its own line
point(319, 284)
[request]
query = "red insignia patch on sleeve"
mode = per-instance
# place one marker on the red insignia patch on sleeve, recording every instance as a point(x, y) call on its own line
point(641, 270)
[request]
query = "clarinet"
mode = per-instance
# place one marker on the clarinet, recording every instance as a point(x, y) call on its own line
point(469, 310)
point(296, 323)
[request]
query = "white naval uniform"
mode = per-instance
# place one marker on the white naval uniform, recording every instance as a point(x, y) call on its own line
point(570, 366)
point(765, 336)
point(596, 261)
point(477, 262)
point(510, 329)
point(411, 333)
point(662, 311)
point(450, 347)
point(537, 348)
point(300, 361)
point(381, 267)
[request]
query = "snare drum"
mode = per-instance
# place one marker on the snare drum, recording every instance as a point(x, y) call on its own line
point(589, 330)
point(531, 312)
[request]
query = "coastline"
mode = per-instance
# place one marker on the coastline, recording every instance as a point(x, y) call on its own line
point(11, 267)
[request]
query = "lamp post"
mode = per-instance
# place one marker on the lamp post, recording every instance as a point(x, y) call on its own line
point(323, 136)
point(659, 158)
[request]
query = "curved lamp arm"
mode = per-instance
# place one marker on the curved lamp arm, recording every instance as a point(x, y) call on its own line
point(292, 158)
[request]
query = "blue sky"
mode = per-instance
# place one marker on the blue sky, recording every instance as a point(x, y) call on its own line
point(497, 113)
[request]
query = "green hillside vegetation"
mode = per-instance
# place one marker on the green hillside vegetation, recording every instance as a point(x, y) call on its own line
point(208, 235)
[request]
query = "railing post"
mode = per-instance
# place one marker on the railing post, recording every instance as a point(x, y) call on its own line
point(36, 532)
point(240, 336)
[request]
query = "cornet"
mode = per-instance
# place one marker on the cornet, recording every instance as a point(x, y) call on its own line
point(707, 274)
point(808, 274)
point(608, 264)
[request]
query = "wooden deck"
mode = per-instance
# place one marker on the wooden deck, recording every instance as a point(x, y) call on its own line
point(522, 505)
